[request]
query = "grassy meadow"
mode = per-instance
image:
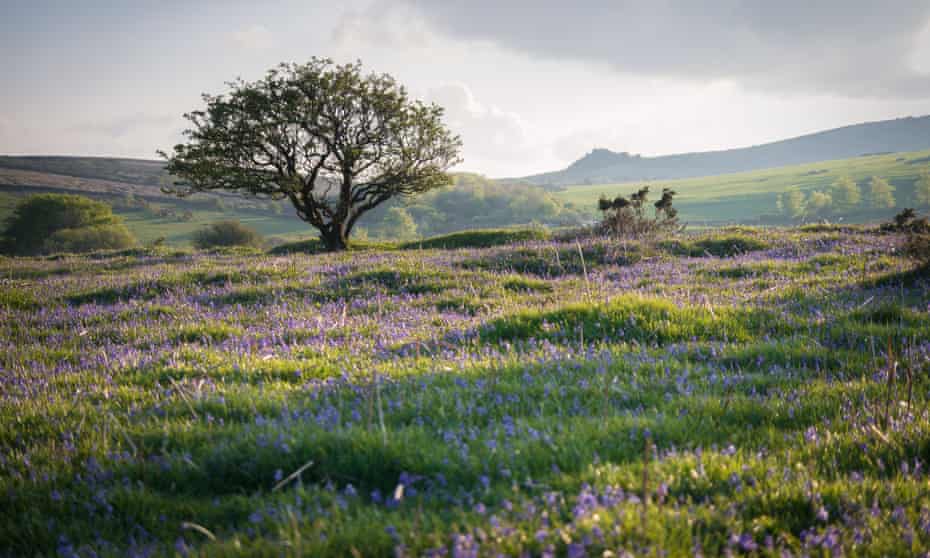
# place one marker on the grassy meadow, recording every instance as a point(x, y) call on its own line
point(740, 392)
point(743, 197)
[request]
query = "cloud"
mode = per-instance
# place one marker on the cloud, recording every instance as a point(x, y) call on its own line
point(851, 48)
point(492, 137)
point(254, 37)
point(382, 24)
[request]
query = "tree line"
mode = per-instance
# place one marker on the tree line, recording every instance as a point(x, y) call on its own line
point(846, 196)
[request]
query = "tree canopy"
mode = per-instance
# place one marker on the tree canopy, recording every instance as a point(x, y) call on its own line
point(332, 140)
point(881, 193)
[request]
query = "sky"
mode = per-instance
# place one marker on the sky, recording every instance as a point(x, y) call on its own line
point(530, 85)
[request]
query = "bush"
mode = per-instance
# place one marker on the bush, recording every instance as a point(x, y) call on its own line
point(626, 217)
point(60, 222)
point(226, 233)
point(89, 239)
point(907, 221)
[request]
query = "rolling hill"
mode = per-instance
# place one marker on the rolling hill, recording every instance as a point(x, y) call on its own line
point(750, 197)
point(713, 187)
point(605, 166)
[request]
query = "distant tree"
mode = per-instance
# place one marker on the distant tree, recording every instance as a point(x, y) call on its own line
point(819, 204)
point(59, 222)
point(226, 233)
point(794, 204)
point(846, 195)
point(881, 193)
point(922, 189)
point(398, 224)
point(333, 141)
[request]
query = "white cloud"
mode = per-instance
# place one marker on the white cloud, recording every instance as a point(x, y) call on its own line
point(493, 139)
point(383, 24)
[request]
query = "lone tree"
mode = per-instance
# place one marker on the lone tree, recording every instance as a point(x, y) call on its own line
point(333, 141)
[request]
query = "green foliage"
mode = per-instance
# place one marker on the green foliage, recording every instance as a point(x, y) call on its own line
point(881, 193)
point(89, 239)
point(60, 222)
point(398, 224)
point(627, 217)
point(476, 202)
point(794, 204)
point(922, 189)
point(381, 145)
point(819, 204)
point(846, 194)
point(226, 233)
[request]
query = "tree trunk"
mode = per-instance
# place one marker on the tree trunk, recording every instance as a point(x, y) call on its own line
point(333, 239)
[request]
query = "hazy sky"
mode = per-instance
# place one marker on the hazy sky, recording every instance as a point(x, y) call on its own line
point(529, 84)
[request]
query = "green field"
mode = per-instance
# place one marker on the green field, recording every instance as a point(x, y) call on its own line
point(742, 392)
point(746, 196)
point(147, 229)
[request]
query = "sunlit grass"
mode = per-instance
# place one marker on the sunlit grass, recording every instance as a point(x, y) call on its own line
point(739, 391)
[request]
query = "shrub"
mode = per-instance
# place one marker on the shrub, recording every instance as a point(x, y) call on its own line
point(54, 222)
point(226, 233)
point(627, 217)
point(907, 221)
point(89, 239)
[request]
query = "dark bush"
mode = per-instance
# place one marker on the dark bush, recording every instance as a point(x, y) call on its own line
point(626, 217)
point(907, 221)
point(226, 233)
point(48, 223)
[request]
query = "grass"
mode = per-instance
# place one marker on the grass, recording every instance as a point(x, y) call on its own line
point(746, 196)
point(483, 238)
point(478, 238)
point(741, 391)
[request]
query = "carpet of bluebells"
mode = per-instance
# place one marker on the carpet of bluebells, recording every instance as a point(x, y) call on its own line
point(743, 392)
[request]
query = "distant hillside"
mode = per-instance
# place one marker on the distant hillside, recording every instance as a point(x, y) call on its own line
point(888, 136)
point(130, 171)
point(750, 197)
